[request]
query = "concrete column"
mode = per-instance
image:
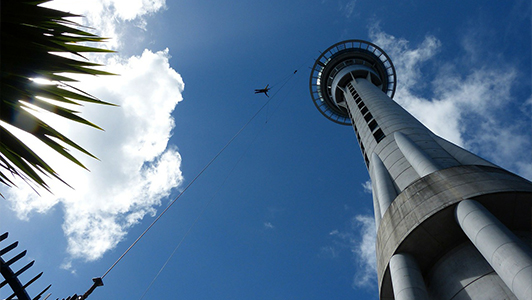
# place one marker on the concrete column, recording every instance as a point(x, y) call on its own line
point(508, 255)
point(418, 159)
point(377, 211)
point(383, 185)
point(407, 280)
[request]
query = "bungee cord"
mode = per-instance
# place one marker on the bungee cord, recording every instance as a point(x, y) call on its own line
point(98, 281)
point(197, 176)
point(200, 215)
point(216, 193)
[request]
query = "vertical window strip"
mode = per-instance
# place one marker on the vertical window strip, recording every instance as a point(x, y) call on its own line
point(374, 127)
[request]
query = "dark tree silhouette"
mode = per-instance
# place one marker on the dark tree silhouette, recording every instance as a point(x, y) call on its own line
point(31, 35)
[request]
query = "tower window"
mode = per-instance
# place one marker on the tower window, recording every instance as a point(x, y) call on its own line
point(368, 117)
point(364, 110)
point(378, 135)
point(372, 125)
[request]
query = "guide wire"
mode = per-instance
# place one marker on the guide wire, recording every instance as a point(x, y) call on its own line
point(282, 80)
point(290, 88)
point(287, 79)
point(200, 214)
point(195, 178)
point(211, 200)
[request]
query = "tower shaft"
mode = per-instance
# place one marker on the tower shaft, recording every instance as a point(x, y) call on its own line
point(399, 151)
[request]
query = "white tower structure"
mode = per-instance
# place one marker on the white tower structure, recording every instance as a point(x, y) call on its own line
point(450, 225)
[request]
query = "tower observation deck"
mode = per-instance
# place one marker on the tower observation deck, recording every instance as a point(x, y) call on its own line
point(450, 225)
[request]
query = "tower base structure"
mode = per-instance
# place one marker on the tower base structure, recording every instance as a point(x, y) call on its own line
point(423, 221)
point(450, 225)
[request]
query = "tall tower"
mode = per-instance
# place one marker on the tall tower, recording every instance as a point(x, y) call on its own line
point(450, 225)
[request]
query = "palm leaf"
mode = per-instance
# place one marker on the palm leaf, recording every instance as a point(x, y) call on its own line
point(31, 38)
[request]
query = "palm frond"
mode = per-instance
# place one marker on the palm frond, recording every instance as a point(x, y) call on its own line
point(32, 40)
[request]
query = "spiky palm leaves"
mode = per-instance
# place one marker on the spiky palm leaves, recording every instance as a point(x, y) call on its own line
point(30, 34)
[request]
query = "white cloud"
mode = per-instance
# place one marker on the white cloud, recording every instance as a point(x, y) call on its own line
point(367, 187)
point(329, 252)
point(268, 225)
point(366, 258)
point(349, 8)
point(111, 18)
point(133, 9)
point(407, 61)
point(467, 103)
point(137, 167)
point(360, 240)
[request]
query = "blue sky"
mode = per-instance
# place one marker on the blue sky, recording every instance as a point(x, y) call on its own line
point(287, 210)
